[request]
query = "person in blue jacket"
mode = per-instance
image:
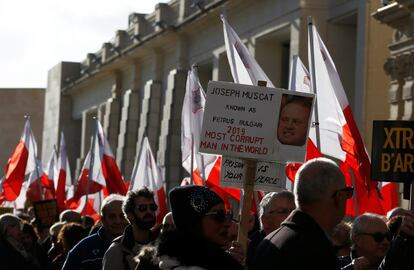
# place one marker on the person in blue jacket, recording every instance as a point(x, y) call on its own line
point(89, 252)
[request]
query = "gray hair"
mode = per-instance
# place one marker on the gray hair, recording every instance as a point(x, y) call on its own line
point(110, 199)
point(361, 223)
point(397, 211)
point(7, 220)
point(70, 215)
point(270, 197)
point(314, 179)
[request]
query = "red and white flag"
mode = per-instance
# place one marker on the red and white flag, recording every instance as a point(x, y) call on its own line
point(39, 186)
point(92, 208)
point(22, 162)
point(339, 134)
point(63, 178)
point(110, 171)
point(146, 173)
point(99, 169)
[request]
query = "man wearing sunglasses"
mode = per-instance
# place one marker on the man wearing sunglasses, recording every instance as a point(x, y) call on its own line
point(370, 242)
point(302, 240)
point(140, 209)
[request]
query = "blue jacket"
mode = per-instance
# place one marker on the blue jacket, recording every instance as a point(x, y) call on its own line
point(88, 253)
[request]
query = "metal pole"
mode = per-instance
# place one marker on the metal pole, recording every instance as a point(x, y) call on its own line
point(39, 184)
point(313, 79)
point(192, 159)
point(91, 161)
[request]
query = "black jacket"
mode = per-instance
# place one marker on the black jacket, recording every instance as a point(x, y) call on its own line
point(298, 244)
point(11, 259)
point(400, 254)
point(89, 252)
point(189, 251)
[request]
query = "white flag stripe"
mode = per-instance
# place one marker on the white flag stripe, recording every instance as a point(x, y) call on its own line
point(146, 171)
point(191, 124)
point(63, 162)
point(244, 68)
point(329, 91)
point(31, 146)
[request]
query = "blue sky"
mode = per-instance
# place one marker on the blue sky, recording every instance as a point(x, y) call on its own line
point(36, 35)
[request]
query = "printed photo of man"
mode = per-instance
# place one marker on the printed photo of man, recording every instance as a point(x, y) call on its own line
point(294, 119)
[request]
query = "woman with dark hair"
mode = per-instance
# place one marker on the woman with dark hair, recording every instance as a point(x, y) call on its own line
point(202, 228)
point(13, 255)
point(32, 246)
point(69, 235)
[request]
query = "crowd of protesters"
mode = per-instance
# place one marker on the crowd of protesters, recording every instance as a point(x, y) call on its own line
point(300, 230)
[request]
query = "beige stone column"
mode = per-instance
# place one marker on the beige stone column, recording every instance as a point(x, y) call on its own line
point(169, 147)
point(149, 120)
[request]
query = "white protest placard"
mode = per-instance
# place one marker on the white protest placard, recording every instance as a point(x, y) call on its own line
point(253, 122)
point(269, 176)
point(235, 122)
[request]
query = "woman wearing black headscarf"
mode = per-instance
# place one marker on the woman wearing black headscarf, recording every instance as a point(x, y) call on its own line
point(202, 227)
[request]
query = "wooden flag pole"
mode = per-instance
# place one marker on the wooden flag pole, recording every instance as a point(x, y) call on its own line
point(411, 197)
point(247, 201)
point(248, 187)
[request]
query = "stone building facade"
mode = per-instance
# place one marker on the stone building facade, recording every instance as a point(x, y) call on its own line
point(398, 16)
point(135, 83)
point(15, 103)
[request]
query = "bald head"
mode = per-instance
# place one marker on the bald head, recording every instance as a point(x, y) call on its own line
point(315, 181)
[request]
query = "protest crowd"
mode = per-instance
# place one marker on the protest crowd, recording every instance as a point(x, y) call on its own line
point(326, 221)
point(293, 234)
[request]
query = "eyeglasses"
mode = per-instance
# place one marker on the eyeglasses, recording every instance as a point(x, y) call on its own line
point(220, 216)
point(379, 237)
point(144, 207)
point(348, 190)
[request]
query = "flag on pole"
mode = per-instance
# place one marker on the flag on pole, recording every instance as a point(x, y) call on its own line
point(146, 173)
point(244, 68)
point(22, 162)
point(50, 173)
point(191, 124)
point(63, 179)
point(340, 137)
point(91, 208)
point(105, 172)
point(110, 171)
point(39, 186)
point(204, 166)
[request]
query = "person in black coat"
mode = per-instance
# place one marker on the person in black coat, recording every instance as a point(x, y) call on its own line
point(13, 256)
point(302, 242)
point(400, 254)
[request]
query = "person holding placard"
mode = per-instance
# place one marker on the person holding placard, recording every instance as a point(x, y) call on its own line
point(294, 120)
point(202, 227)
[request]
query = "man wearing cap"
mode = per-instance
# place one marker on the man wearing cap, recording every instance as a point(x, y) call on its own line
point(140, 209)
point(301, 242)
